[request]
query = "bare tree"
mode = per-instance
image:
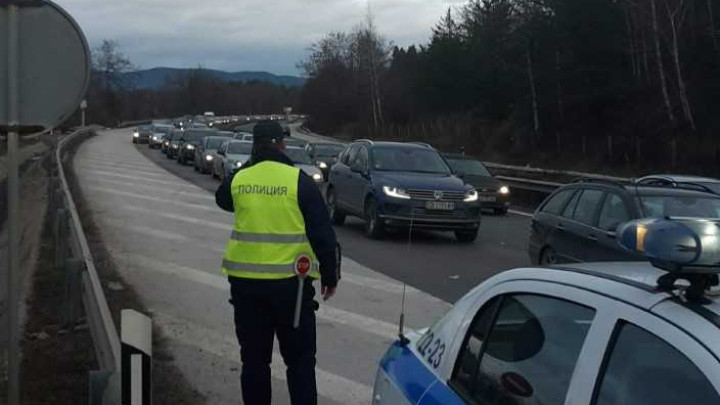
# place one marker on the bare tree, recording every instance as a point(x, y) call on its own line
point(676, 17)
point(659, 61)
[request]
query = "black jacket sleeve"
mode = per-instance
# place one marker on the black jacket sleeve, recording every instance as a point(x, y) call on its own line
point(223, 195)
point(318, 228)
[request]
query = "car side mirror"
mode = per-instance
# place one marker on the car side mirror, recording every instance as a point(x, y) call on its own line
point(461, 174)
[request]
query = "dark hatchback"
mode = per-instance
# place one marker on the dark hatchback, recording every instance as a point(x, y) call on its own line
point(324, 155)
point(397, 185)
point(191, 140)
point(577, 222)
point(493, 194)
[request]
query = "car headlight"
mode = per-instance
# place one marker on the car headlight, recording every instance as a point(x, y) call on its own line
point(190, 147)
point(175, 146)
point(238, 164)
point(136, 135)
point(504, 190)
point(396, 192)
point(154, 138)
point(209, 158)
point(317, 177)
point(322, 165)
point(167, 143)
point(471, 195)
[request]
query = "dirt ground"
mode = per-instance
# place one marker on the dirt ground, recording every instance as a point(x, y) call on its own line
point(169, 386)
point(57, 359)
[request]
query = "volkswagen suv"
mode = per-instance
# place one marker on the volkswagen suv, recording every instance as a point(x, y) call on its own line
point(398, 185)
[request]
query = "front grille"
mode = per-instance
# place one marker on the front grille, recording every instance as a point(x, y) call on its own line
point(422, 213)
point(456, 196)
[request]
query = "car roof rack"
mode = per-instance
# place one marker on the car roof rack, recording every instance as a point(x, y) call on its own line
point(427, 145)
point(365, 141)
point(601, 181)
point(655, 181)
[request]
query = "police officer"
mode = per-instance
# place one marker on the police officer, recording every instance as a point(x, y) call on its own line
point(281, 221)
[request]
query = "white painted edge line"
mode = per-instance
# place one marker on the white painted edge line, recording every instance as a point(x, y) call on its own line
point(173, 192)
point(331, 386)
point(521, 213)
point(363, 323)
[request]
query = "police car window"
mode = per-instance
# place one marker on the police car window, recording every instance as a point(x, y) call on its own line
point(556, 203)
point(570, 207)
point(587, 206)
point(613, 213)
point(644, 369)
point(530, 351)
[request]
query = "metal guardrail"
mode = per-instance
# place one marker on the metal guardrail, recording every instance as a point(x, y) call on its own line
point(105, 384)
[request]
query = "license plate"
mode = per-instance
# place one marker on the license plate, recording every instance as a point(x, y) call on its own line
point(488, 198)
point(440, 205)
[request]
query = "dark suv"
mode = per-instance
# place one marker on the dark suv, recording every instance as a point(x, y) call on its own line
point(396, 185)
point(577, 222)
point(192, 139)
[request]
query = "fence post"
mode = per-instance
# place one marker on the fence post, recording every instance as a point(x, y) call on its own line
point(136, 355)
point(73, 270)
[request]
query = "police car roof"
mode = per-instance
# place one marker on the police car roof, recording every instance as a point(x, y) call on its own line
point(641, 275)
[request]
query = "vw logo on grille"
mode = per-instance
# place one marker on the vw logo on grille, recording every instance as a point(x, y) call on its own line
point(438, 195)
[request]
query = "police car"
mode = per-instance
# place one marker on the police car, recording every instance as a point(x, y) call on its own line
point(600, 333)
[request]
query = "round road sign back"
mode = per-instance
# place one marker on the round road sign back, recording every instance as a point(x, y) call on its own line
point(53, 66)
point(302, 265)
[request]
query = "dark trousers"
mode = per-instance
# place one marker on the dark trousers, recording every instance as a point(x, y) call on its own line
point(264, 309)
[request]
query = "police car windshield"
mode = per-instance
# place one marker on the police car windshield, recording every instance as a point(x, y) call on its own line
point(408, 160)
point(298, 156)
point(240, 148)
point(328, 150)
point(468, 166)
point(660, 206)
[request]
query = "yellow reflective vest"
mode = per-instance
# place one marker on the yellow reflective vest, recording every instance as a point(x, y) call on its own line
point(268, 237)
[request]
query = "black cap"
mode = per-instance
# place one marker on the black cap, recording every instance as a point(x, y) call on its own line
point(268, 131)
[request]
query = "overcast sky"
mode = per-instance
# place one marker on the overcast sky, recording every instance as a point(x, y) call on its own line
point(238, 35)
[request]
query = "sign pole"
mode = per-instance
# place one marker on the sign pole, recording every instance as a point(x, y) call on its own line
point(13, 207)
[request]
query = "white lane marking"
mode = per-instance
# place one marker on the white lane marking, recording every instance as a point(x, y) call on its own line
point(156, 199)
point(173, 191)
point(138, 173)
point(521, 213)
point(146, 166)
point(125, 176)
point(227, 227)
point(377, 327)
point(331, 386)
point(155, 233)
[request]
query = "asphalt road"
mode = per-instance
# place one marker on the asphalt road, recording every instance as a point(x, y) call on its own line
point(429, 261)
point(166, 237)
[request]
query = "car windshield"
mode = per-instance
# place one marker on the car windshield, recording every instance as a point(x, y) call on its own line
point(240, 148)
point(145, 128)
point(328, 150)
point(192, 136)
point(214, 143)
point(660, 206)
point(715, 187)
point(298, 156)
point(417, 160)
point(469, 166)
point(162, 129)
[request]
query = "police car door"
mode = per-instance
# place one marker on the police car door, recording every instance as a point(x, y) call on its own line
point(649, 360)
point(524, 343)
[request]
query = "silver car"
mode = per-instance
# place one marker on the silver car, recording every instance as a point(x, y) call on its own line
point(230, 157)
point(302, 161)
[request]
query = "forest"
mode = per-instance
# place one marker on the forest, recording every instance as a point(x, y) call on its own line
point(594, 84)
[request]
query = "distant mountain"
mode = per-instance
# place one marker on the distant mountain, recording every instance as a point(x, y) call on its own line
point(158, 77)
